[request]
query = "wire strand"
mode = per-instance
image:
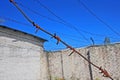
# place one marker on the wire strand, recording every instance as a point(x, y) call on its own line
point(98, 18)
point(15, 21)
point(37, 13)
point(64, 22)
point(58, 39)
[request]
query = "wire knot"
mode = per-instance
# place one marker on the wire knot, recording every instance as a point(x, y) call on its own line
point(37, 27)
point(33, 23)
point(71, 53)
point(73, 50)
point(57, 38)
point(105, 73)
point(11, 0)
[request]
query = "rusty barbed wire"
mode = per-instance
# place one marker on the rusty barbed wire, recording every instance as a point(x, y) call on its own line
point(103, 71)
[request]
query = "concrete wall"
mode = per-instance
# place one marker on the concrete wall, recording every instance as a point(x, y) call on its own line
point(22, 58)
point(20, 55)
point(76, 68)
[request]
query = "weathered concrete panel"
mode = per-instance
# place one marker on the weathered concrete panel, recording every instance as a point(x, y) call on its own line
point(55, 65)
point(19, 56)
point(76, 68)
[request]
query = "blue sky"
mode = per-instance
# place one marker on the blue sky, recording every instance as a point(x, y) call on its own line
point(80, 26)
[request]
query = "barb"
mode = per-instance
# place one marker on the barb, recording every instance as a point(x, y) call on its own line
point(37, 27)
point(105, 73)
point(73, 50)
point(62, 20)
point(71, 53)
point(59, 40)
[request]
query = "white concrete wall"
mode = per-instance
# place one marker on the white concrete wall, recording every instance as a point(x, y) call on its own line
point(76, 68)
point(20, 56)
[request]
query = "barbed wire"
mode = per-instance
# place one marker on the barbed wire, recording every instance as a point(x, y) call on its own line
point(66, 23)
point(105, 73)
point(69, 37)
point(84, 31)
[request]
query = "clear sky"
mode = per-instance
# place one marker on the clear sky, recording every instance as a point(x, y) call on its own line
point(75, 21)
